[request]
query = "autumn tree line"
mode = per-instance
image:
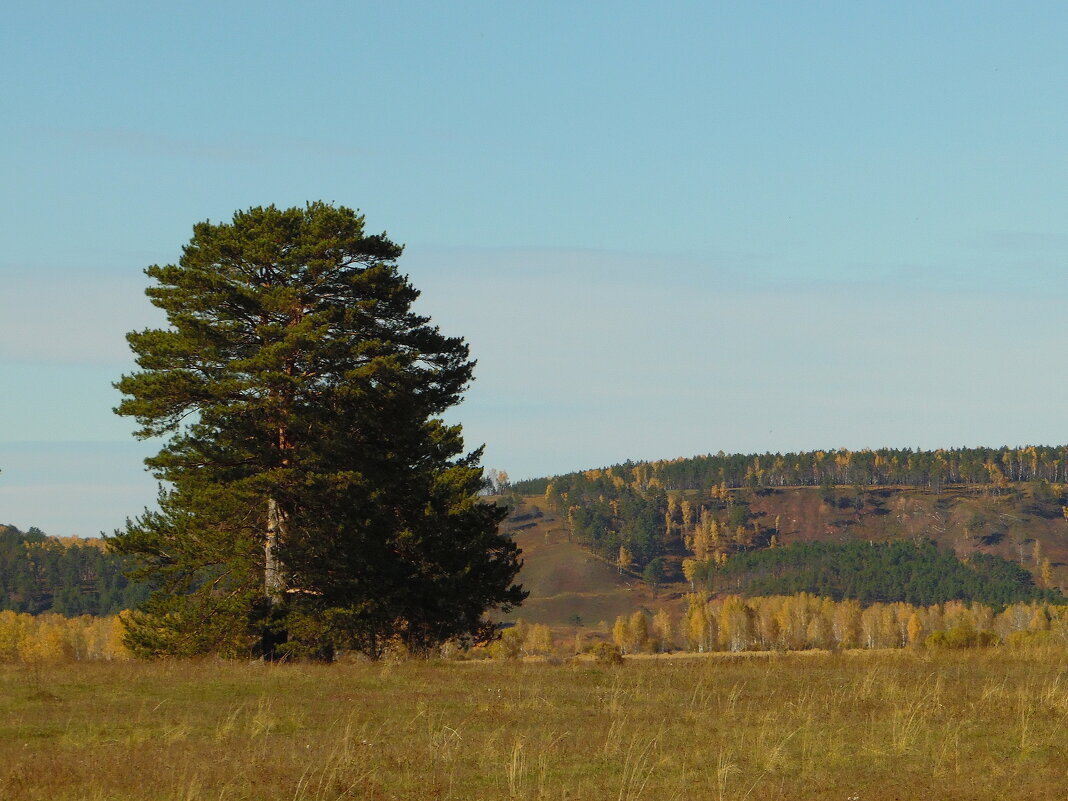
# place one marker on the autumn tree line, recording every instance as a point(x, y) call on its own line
point(53, 638)
point(803, 622)
point(729, 623)
point(872, 468)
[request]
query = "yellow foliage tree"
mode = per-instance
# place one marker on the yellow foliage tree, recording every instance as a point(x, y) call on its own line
point(47, 640)
point(767, 621)
point(621, 633)
point(639, 632)
point(689, 572)
point(701, 540)
point(12, 627)
point(539, 640)
point(818, 631)
point(699, 628)
point(735, 624)
point(915, 629)
point(662, 631)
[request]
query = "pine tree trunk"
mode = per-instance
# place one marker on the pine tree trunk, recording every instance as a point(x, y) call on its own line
point(272, 578)
point(273, 586)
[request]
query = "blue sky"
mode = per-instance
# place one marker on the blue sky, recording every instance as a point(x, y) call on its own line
point(664, 229)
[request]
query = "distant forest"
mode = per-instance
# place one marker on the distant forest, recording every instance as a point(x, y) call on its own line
point(872, 468)
point(915, 573)
point(71, 577)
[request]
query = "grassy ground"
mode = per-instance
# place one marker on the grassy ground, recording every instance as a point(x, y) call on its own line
point(869, 726)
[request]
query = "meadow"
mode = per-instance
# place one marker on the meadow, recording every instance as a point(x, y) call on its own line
point(985, 723)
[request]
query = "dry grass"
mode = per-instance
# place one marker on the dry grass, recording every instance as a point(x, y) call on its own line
point(863, 725)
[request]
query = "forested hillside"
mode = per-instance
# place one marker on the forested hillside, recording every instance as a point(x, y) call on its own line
point(71, 577)
point(704, 519)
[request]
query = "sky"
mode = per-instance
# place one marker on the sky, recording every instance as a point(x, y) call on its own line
point(664, 229)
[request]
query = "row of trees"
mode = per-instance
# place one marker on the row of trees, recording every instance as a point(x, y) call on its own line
point(731, 623)
point(801, 622)
point(805, 621)
point(69, 577)
point(881, 467)
point(45, 638)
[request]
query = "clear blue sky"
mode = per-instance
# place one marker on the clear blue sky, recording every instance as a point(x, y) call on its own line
point(665, 229)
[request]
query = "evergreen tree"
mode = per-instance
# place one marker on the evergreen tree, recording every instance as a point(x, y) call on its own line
point(312, 494)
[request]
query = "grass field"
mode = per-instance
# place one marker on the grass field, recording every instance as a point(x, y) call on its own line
point(981, 724)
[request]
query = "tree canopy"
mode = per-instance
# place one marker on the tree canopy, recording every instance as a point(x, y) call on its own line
point(313, 498)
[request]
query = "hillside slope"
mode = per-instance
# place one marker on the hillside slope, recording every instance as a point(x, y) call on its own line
point(568, 584)
point(1014, 524)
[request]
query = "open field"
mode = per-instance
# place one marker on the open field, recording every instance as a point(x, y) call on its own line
point(980, 724)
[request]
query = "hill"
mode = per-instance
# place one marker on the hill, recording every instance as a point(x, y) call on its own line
point(959, 544)
point(686, 523)
point(1000, 501)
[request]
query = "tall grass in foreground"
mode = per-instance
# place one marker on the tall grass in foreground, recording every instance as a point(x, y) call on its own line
point(976, 724)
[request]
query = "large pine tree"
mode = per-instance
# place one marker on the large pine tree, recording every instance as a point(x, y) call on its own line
point(312, 497)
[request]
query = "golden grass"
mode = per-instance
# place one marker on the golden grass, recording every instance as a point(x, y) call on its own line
point(982, 724)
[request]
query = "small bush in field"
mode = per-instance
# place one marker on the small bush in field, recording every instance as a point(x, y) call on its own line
point(961, 637)
point(1024, 638)
point(606, 653)
point(509, 645)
